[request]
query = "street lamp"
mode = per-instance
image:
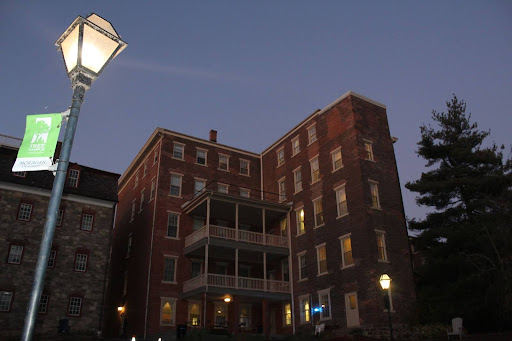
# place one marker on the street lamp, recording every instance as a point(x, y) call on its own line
point(87, 46)
point(385, 283)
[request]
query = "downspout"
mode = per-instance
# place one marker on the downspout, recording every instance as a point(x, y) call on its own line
point(152, 235)
point(290, 269)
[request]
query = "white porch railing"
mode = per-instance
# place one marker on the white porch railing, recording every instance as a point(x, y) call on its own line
point(196, 236)
point(230, 234)
point(246, 283)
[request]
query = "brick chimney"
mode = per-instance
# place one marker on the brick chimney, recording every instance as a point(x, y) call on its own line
point(213, 135)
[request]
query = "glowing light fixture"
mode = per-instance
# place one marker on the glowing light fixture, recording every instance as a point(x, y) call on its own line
point(227, 299)
point(120, 309)
point(385, 281)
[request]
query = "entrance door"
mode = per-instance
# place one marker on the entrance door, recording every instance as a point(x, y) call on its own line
point(352, 309)
point(273, 322)
point(221, 316)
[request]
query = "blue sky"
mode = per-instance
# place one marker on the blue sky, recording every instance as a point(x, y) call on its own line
point(253, 69)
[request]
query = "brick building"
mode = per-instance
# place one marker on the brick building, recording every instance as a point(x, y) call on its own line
point(276, 243)
point(77, 269)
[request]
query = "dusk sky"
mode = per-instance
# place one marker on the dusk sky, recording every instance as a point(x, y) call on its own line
point(252, 70)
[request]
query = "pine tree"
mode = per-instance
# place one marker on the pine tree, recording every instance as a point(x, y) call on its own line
point(467, 239)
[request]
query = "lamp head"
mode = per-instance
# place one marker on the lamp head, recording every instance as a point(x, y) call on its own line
point(385, 281)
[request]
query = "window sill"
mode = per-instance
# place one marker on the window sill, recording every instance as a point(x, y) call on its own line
point(314, 182)
point(310, 143)
point(370, 160)
point(297, 192)
point(167, 282)
point(316, 227)
point(224, 170)
point(150, 200)
point(244, 174)
point(383, 261)
point(300, 234)
point(322, 274)
point(376, 208)
point(200, 164)
point(335, 170)
point(173, 238)
point(341, 216)
point(302, 280)
point(176, 196)
point(280, 165)
point(175, 158)
point(347, 266)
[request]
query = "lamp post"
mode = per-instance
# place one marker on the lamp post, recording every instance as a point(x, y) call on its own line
point(385, 283)
point(87, 46)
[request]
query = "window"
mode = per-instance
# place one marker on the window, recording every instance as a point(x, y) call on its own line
point(133, 210)
point(319, 213)
point(25, 211)
point(381, 246)
point(194, 313)
point(155, 157)
point(199, 186)
point(141, 200)
point(301, 257)
point(5, 300)
point(374, 190)
point(321, 259)
point(280, 157)
point(368, 150)
point(336, 159)
point(167, 311)
point(175, 185)
point(178, 151)
point(196, 269)
point(43, 304)
point(300, 221)
point(87, 222)
point(20, 174)
point(315, 170)
point(305, 309)
point(170, 269)
point(75, 306)
point(295, 146)
point(15, 254)
point(245, 193)
point(136, 183)
point(222, 188)
point(60, 217)
point(346, 251)
point(81, 262)
point(324, 299)
point(297, 179)
point(245, 316)
point(244, 167)
point(198, 223)
point(285, 270)
point(312, 134)
point(145, 169)
point(283, 227)
point(129, 246)
point(341, 201)
point(287, 313)
point(223, 162)
point(73, 175)
point(282, 189)
point(52, 258)
point(172, 225)
point(153, 188)
point(201, 157)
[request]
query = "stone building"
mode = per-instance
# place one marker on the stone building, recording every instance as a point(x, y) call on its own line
point(77, 269)
point(211, 236)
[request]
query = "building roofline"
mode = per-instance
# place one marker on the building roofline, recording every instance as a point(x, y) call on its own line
point(319, 112)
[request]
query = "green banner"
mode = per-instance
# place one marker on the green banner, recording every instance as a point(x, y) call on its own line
point(38, 146)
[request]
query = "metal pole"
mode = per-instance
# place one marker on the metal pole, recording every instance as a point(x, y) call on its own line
point(389, 314)
point(51, 214)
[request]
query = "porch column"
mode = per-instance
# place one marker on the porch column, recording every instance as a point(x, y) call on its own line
point(265, 270)
point(204, 310)
point(236, 222)
point(236, 315)
point(206, 265)
point(263, 225)
point(236, 268)
point(208, 219)
point(265, 317)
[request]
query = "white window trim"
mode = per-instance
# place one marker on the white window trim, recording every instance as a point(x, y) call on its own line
point(136, 180)
point(370, 142)
point(281, 149)
point(227, 156)
point(296, 138)
point(68, 180)
point(182, 152)
point(376, 183)
point(300, 254)
point(248, 167)
point(320, 293)
point(345, 236)
point(152, 191)
point(177, 226)
point(145, 169)
point(205, 156)
point(175, 269)
point(297, 220)
point(311, 169)
point(316, 134)
point(383, 234)
point(181, 184)
point(338, 201)
point(134, 205)
point(279, 182)
point(245, 189)
point(302, 319)
point(220, 184)
point(298, 169)
point(155, 156)
point(284, 314)
point(333, 161)
point(318, 259)
point(9, 254)
point(172, 300)
point(142, 198)
point(314, 212)
point(199, 180)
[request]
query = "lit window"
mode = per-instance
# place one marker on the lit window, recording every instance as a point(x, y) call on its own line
point(381, 246)
point(5, 300)
point(172, 225)
point(336, 159)
point(43, 304)
point(177, 151)
point(305, 309)
point(75, 306)
point(141, 200)
point(287, 314)
point(170, 269)
point(346, 251)
point(368, 150)
point(282, 227)
point(322, 259)
point(199, 186)
point(374, 190)
point(341, 201)
point(153, 188)
point(73, 176)
point(15, 254)
point(222, 188)
point(280, 157)
point(297, 177)
point(25, 211)
point(201, 157)
point(87, 222)
point(312, 134)
point(175, 185)
point(302, 266)
point(167, 311)
point(194, 313)
point(315, 170)
point(324, 298)
point(319, 214)
point(245, 193)
point(81, 262)
point(300, 221)
point(60, 217)
point(282, 189)
point(52, 259)
point(295, 146)
point(223, 162)
point(244, 167)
